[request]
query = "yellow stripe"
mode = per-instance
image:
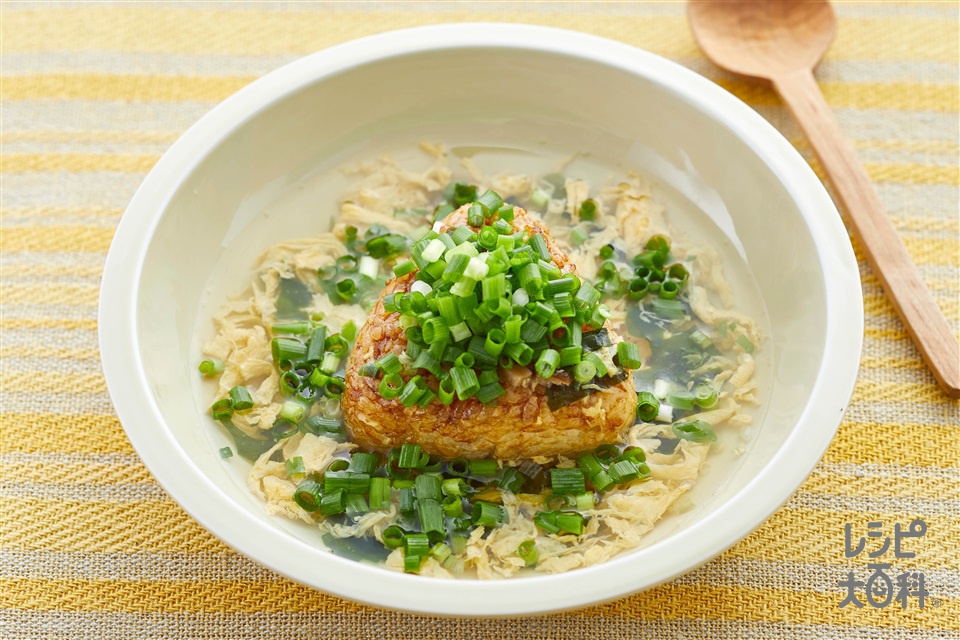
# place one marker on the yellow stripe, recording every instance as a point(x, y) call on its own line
point(52, 323)
point(54, 433)
point(153, 88)
point(673, 602)
point(860, 95)
point(186, 31)
point(107, 527)
point(880, 362)
point(74, 382)
point(940, 251)
point(60, 353)
point(682, 602)
point(924, 445)
point(72, 238)
point(76, 162)
point(94, 136)
point(195, 596)
point(899, 391)
point(935, 489)
point(903, 173)
point(141, 88)
point(63, 212)
point(51, 270)
point(881, 305)
point(914, 223)
point(65, 294)
point(803, 535)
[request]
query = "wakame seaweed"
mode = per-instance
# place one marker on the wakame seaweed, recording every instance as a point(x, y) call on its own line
point(293, 299)
point(560, 395)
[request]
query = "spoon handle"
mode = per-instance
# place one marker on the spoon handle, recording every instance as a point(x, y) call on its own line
point(885, 252)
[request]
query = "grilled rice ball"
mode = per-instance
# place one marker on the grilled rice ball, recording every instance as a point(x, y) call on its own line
point(519, 424)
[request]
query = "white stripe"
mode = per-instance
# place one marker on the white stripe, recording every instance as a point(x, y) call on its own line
point(874, 504)
point(63, 403)
point(876, 124)
point(337, 625)
point(96, 115)
point(184, 567)
point(45, 337)
point(83, 492)
point(64, 189)
point(871, 470)
point(54, 311)
point(119, 459)
point(38, 365)
point(66, 259)
point(944, 413)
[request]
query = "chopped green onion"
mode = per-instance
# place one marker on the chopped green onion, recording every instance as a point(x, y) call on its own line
point(390, 386)
point(567, 481)
point(464, 381)
point(379, 493)
point(623, 471)
point(588, 209)
point(528, 552)
point(483, 467)
point(294, 467)
point(393, 537)
point(490, 392)
point(629, 355)
point(356, 505)
point(410, 456)
point(475, 215)
point(586, 501)
point(452, 506)
point(648, 407)
point(240, 399)
point(416, 544)
point(292, 411)
point(745, 344)
point(578, 236)
point(348, 481)
point(333, 503)
point(547, 363)
point(308, 495)
point(405, 267)
point(487, 514)
point(287, 349)
point(211, 367)
point(705, 396)
point(695, 431)
point(585, 371)
point(226, 452)
point(680, 400)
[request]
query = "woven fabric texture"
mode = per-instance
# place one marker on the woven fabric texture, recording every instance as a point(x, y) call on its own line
point(92, 547)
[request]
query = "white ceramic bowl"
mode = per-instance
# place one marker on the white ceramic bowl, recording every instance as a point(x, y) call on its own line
point(483, 84)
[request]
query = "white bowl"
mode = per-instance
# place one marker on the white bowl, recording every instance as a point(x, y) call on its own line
point(205, 206)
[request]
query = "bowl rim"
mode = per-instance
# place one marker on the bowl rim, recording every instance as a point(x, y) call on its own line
point(138, 411)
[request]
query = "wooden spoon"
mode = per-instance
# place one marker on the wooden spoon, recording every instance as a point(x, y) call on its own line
point(779, 42)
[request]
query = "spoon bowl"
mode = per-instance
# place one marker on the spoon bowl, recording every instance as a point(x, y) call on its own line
point(763, 41)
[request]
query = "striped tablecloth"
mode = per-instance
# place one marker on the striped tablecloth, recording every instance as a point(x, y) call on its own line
point(92, 95)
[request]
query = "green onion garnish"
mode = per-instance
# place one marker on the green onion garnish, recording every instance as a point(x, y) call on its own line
point(211, 367)
point(528, 552)
point(695, 431)
point(226, 452)
point(648, 407)
point(567, 481)
point(222, 409)
point(487, 514)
